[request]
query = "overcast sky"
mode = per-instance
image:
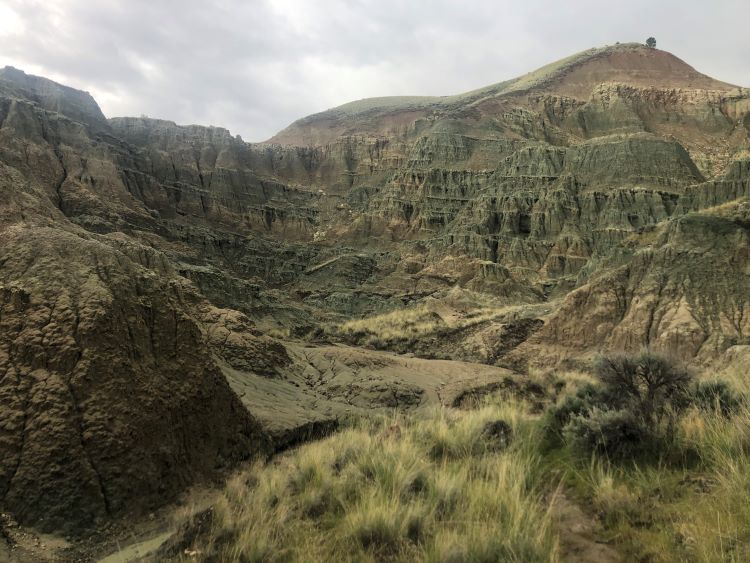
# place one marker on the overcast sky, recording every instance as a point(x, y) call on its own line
point(255, 66)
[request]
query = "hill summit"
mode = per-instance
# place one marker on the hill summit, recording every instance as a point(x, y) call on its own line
point(575, 76)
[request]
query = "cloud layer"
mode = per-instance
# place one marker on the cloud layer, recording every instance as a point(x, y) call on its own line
point(254, 66)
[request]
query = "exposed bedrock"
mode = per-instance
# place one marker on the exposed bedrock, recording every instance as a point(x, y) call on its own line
point(682, 290)
point(112, 403)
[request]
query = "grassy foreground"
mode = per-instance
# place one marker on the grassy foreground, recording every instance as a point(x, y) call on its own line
point(692, 503)
point(437, 489)
point(451, 488)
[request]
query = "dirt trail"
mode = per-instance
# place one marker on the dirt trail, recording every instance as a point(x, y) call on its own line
point(139, 550)
point(578, 538)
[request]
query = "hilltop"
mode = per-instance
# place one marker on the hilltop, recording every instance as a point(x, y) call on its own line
point(575, 76)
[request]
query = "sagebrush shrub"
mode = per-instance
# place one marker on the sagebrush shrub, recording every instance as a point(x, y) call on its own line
point(634, 407)
point(615, 433)
point(653, 388)
point(558, 416)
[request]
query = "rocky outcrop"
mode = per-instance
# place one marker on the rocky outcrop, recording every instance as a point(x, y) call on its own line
point(112, 403)
point(50, 96)
point(681, 290)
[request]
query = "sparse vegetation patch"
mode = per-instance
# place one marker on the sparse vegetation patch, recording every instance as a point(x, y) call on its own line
point(455, 486)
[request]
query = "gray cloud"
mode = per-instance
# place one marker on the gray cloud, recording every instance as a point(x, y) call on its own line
point(255, 66)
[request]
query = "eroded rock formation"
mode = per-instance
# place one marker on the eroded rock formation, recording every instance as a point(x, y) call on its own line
point(163, 288)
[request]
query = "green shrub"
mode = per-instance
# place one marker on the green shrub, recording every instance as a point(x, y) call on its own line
point(558, 416)
point(716, 396)
point(653, 388)
point(614, 433)
point(633, 408)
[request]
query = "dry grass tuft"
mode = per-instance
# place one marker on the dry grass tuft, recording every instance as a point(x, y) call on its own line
point(433, 491)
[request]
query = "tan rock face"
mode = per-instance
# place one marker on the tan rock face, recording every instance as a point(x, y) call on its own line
point(682, 291)
point(111, 401)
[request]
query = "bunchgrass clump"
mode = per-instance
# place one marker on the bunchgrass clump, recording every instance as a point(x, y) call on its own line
point(433, 491)
point(717, 396)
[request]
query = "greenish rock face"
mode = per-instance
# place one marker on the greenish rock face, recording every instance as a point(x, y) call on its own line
point(150, 270)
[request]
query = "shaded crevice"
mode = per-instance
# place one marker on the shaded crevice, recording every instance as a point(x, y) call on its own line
point(524, 224)
point(22, 446)
point(61, 181)
point(174, 169)
point(4, 112)
point(652, 310)
point(200, 172)
point(623, 303)
point(307, 432)
point(493, 244)
point(79, 419)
